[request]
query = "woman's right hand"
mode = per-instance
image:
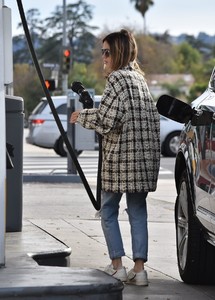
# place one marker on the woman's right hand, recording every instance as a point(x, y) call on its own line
point(74, 117)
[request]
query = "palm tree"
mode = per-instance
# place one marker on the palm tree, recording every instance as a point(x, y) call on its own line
point(142, 6)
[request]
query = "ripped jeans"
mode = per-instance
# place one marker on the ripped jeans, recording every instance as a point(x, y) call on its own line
point(137, 214)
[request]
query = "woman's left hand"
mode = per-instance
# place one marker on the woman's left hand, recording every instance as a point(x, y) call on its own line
point(74, 117)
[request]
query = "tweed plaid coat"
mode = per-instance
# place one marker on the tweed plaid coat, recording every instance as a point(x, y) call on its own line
point(129, 123)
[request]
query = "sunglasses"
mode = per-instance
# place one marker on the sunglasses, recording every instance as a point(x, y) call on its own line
point(105, 52)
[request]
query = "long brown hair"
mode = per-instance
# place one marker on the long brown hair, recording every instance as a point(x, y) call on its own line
point(123, 49)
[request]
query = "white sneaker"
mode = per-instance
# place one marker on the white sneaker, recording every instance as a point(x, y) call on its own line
point(139, 278)
point(118, 274)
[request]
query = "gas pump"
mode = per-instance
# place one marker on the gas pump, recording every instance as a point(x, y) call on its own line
point(5, 79)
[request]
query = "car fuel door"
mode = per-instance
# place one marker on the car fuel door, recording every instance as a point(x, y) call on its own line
point(174, 109)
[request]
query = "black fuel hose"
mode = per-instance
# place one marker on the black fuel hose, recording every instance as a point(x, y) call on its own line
point(96, 203)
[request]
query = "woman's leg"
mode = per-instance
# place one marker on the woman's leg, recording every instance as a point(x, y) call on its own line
point(110, 225)
point(137, 212)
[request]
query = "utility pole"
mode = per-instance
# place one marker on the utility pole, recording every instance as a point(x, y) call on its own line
point(2, 143)
point(64, 75)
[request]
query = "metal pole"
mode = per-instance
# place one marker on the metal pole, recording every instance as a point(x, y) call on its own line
point(71, 169)
point(64, 76)
point(2, 145)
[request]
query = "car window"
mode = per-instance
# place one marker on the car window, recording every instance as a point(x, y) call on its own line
point(40, 107)
point(207, 108)
point(62, 109)
point(162, 118)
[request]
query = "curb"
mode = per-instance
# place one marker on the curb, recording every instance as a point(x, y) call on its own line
point(52, 178)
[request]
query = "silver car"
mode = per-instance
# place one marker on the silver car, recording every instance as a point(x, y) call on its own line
point(43, 131)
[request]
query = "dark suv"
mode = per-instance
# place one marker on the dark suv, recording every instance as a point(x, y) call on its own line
point(195, 185)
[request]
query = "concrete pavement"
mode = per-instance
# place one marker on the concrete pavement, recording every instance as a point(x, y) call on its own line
point(62, 213)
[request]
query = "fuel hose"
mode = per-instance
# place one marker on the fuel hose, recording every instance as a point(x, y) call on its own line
point(96, 202)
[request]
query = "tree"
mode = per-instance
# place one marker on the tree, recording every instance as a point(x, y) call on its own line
point(164, 38)
point(27, 85)
point(50, 51)
point(81, 73)
point(156, 57)
point(142, 6)
point(195, 91)
point(175, 89)
point(21, 52)
point(35, 26)
point(80, 38)
point(187, 57)
point(202, 73)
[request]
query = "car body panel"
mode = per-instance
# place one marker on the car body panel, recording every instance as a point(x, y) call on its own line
point(196, 154)
point(195, 184)
point(168, 126)
point(46, 133)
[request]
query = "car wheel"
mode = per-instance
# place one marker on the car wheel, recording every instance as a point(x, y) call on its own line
point(196, 257)
point(171, 144)
point(60, 148)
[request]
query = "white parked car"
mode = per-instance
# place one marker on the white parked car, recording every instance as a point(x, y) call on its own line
point(43, 131)
point(170, 136)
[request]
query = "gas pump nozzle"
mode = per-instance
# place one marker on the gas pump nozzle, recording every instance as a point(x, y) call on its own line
point(85, 97)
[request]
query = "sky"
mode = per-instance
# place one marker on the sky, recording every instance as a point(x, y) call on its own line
point(174, 16)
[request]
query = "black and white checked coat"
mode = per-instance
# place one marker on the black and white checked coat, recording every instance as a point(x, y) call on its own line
point(129, 123)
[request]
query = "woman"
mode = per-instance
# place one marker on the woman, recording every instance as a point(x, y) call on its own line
point(129, 124)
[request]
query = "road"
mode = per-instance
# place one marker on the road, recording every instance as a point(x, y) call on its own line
point(37, 160)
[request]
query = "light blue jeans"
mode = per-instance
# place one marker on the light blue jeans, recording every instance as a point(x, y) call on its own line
point(137, 214)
